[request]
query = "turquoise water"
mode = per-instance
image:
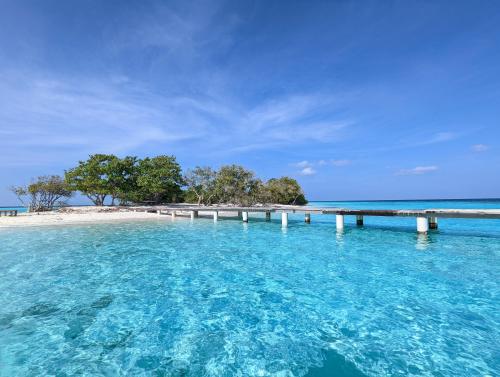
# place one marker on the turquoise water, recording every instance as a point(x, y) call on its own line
point(19, 209)
point(163, 298)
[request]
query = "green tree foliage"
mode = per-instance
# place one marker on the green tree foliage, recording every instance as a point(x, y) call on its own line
point(44, 193)
point(284, 190)
point(100, 176)
point(237, 185)
point(159, 179)
point(123, 178)
point(200, 183)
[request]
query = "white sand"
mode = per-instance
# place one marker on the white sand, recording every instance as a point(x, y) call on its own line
point(55, 218)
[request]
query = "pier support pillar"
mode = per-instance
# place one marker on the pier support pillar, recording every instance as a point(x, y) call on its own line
point(422, 225)
point(239, 215)
point(193, 214)
point(339, 222)
point(244, 216)
point(284, 219)
point(158, 212)
point(359, 220)
point(173, 215)
point(307, 218)
point(216, 216)
point(268, 216)
point(433, 223)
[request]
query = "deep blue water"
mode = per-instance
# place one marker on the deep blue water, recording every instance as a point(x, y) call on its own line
point(163, 298)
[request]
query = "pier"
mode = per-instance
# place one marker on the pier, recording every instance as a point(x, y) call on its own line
point(425, 218)
point(8, 212)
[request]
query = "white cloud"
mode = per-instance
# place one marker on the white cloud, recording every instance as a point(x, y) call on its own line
point(418, 170)
point(480, 147)
point(307, 167)
point(308, 171)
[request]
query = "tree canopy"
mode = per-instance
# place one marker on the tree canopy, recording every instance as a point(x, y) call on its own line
point(44, 193)
point(201, 182)
point(159, 179)
point(100, 176)
point(156, 180)
point(285, 190)
point(237, 185)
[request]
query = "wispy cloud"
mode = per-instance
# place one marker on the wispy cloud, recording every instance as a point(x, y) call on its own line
point(309, 167)
point(307, 171)
point(480, 147)
point(418, 170)
point(302, 164)
point(332, 162)
point(117, 115)
point(126, 109)
point(441, 137)
point(340, 162)
point(88, 115)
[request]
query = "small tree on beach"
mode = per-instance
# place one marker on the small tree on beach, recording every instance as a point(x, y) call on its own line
point(43, 194)
point(200, 183)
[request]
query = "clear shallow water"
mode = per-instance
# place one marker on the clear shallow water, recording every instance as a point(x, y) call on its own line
point(19, 209)
point(175, 298)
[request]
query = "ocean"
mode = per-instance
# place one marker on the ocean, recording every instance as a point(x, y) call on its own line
point(182, 298)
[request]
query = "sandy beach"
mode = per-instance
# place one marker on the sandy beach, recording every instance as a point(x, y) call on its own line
point(77, 217)
point(91, 214)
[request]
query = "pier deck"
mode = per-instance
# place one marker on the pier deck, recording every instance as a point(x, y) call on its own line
point(443, 213)
point(426, 218)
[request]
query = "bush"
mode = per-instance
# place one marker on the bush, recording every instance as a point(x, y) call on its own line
point(43, 194)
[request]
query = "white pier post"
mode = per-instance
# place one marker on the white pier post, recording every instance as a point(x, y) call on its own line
point(245, 216)
point(216, 216)
point(339, 222)
point(359, 220)
point(422, 225)
point(284, 219)
point(158, 212)
point(268, 216)
point(307, 218)
point(193, 215)
point(433, 223)
point(173, 215)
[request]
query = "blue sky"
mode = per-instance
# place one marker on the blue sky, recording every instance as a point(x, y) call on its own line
point(357, 100)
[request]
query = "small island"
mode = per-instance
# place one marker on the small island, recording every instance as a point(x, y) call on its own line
point(130, 188)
